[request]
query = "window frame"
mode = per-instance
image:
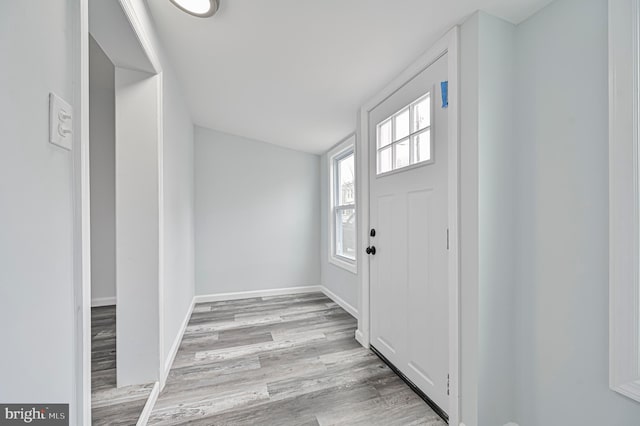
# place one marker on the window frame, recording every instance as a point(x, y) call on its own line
point(408, 138)
point(338, 153)
point(624, 197)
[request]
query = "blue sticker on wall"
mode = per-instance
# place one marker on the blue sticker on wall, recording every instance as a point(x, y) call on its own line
point(444, 88)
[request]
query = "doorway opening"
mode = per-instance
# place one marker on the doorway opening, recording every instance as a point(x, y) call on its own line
point(108, 400)
point(397, 189)
point(125, 146)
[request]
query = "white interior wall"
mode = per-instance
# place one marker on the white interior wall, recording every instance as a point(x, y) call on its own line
point(497, 181)
point(469, 289)
point(36, 188)
point(257, 215)
point(137, 227)
point(177, 183)
point(178, 206)
point(341, 282)
point(488, 245)
point(103, 175)
point(562, 276)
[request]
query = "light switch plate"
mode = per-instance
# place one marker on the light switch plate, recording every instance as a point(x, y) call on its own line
point(60, 122)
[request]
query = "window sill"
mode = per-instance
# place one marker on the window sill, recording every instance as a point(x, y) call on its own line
point(349, 266)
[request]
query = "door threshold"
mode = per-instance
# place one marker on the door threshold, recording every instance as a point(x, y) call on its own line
point(439, 411)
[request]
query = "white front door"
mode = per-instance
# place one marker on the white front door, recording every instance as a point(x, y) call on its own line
point(409, 278)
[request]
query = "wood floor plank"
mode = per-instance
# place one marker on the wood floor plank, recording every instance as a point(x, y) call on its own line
point(282, 360)
point(111, 405)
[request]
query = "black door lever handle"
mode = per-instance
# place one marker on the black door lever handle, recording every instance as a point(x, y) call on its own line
point(371, 250)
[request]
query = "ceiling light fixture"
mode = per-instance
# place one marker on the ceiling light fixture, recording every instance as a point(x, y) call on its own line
point(199, 8)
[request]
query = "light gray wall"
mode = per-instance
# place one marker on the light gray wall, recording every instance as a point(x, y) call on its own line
point(488, 189)
point(102, 137)
point(175, 284)
point(341, 282)
point(469, 94)
point(497, 223)
point(178, 208)
point(36, 189)
point(534, 165)
point(257, 215)
point(138, 228)
point(178, 259)
point(563, 220)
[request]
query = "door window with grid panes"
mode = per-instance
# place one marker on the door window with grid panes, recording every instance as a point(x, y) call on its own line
point(404, 139)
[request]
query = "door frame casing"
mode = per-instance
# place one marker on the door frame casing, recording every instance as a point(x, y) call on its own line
point(81, 413)
point(82, 198)
point(449, 44)
point(624, 196)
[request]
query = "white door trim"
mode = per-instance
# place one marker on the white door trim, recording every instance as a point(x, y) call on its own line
point(624, 195)
point(81, 215)
point(448, 44)
point(82, 200)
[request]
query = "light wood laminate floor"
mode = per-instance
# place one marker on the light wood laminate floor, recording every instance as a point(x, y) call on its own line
point(110, 405)
point(285, 360)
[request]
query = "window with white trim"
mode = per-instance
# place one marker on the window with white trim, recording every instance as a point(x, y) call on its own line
point(343, 206)
point(405, 138)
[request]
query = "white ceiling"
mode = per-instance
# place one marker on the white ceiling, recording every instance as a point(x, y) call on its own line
point(295, 72)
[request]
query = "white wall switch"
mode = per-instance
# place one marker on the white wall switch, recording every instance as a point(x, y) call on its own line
point(60, 122)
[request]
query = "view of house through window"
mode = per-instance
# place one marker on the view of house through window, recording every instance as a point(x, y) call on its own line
point(344, 206)
point(404, 138)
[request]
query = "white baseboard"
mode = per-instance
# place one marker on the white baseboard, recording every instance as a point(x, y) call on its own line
point(340, 301)
point(360, 339)
point(220, 297)
point(103, 301)
point(204, 298)
point(176, 345)
point(148, 406)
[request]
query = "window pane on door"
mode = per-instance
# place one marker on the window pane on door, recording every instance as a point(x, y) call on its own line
point(384, 160)
point(421, 114)
point(402, 154)
point(346, 233)
point(422, 146)
point(401, 122)
point(346, 180)
point(384, 134)
point(404, 139)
